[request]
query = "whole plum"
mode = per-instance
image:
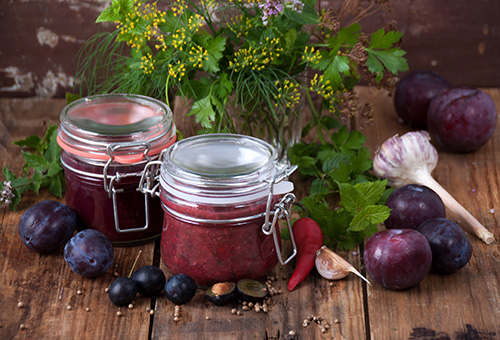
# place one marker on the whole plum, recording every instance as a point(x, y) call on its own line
point(414, 93)
point(397, 259)
point(89, 253)
point(462, 119)
point(180, 288)
point(451, 248)
point(412, 205)
point(46, 226)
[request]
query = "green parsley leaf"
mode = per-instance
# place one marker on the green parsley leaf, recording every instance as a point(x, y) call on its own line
point(204, 112)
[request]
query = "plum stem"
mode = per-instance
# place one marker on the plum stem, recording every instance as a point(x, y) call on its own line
point(135, 262)
point(452, 204)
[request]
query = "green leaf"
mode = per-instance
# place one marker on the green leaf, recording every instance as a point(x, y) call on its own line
point(319, 187)
point(392, 59)
point(225, 86)
point(32, 142)
point(71, 97)
point(382, 40)
point(36, 181)
point(214, 47)
point(372, 191)
point(56, 186)
point(8, 174)
point(204, 112)
point(37, 162)
point(351, 198)
point(54, 169)
point(115, 12)
point(371, 215)
point(53, 151)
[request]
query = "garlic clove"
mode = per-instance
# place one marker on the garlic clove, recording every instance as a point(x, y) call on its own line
point(332, 266)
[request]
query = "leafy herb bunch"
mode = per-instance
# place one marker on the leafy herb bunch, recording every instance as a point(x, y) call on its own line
point(251, 55)
point(42, 169)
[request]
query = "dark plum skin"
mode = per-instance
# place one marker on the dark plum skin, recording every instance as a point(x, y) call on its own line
point(150, 280)
point(89, 253)
point(397, 259)
point(180, 288)
point(414, 93)
point(412, 205)
point(122, 291)
point(462, 119)
point(451, 248)
point(46, 226)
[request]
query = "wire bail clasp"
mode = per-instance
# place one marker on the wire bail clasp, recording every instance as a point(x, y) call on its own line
point(110, 180)
point(282, 210)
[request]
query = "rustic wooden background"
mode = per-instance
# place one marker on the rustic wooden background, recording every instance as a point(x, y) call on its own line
point(460, 39)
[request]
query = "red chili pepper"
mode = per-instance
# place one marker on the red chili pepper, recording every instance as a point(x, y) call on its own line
point(309, 238)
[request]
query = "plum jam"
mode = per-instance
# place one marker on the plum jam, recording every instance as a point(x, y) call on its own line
point(216, 196)
point(106, 142)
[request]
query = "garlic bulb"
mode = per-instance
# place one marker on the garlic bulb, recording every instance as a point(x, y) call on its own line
point(332, 266)
point(410, 159)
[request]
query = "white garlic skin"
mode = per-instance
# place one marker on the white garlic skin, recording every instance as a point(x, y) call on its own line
point(402, 160)
point(328, 265)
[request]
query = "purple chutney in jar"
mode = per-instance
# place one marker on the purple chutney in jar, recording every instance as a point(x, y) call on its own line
point(94, 208)
point(214, 191)
point(106, 142)
point(213, 252)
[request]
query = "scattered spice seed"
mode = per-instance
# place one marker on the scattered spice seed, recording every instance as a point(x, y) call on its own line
point(22, 326)
point(233, 311)
point(119, 313)
point(291, 333)
point(20, 304)
point(152, 311)
point(337, 321)
point(87, 309)
point(238, 313)
point(131, 306)
point(115, 274)
point(245, 308)
point(79, 292)
point(68, 307)
point(207, 317)
point(106, 289)
point(176, 318)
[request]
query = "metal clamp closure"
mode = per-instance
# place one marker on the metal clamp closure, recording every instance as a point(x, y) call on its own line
point(109, 184)
point(282, 211)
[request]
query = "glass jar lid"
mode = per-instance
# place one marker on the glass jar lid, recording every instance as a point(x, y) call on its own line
point(219, 166)
point(123, 126)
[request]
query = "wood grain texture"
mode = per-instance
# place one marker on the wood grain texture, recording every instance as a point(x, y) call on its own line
point(465, 305)
point(466, 302)
point(41, 38)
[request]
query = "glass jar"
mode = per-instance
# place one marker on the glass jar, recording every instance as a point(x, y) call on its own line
point(106, 142)
point(220, 194)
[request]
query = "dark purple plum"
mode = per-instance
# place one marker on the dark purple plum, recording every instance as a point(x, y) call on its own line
point(150, 280)
point(462, 119)
point(122, 291)
point(46, 226)
point(414, 93)
point(412, 205)
point(180, 288)
point(89, 253)
point(451, 248)
point(397, 259)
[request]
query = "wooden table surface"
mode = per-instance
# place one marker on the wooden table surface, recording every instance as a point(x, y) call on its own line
point(59, 304)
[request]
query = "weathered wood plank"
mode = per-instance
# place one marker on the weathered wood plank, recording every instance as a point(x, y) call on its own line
point(44, 283)
point(458, 39)
point(339, 304)
point(465, 304)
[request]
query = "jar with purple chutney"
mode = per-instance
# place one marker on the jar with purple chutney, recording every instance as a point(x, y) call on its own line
point(106, 142)
point(223, 196)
